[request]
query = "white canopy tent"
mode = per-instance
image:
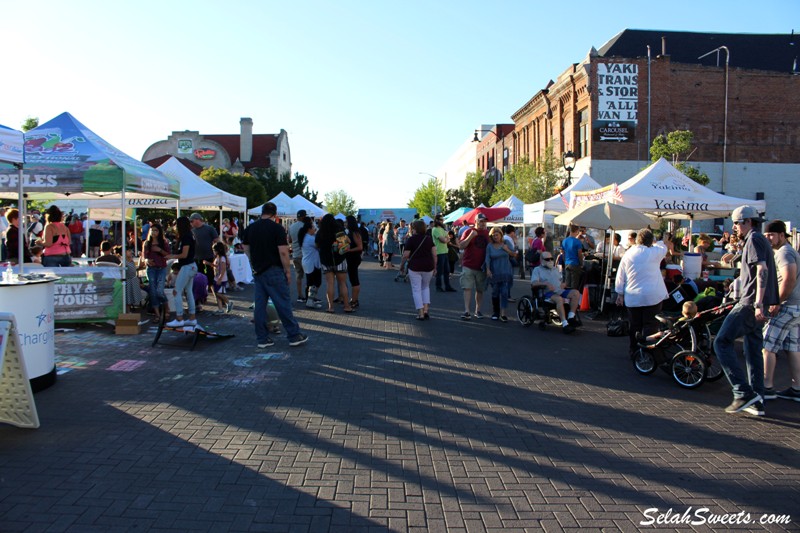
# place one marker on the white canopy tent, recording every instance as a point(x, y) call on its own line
point(515, 216)
point(535, 213)
point(284, 203)
point(312, 209)
point(12, 151)
point(663, 191)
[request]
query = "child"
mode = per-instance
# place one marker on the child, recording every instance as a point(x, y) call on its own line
point(688, 312)
point(133, 287)
point(224, 305)
point(36, 254)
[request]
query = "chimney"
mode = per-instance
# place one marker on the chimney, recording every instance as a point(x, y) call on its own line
point(246, 139)
point(663, 45)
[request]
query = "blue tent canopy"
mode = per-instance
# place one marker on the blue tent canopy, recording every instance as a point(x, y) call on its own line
point(11, 142)
point(65, 158)
point(455, 215)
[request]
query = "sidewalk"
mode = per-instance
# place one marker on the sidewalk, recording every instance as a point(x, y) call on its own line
point(381, 422)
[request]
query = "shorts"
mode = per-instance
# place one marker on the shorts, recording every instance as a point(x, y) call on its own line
point(781, 331)
point(220, 288)
point(298, 266)
point(341, 267)
point(473, 279)
point(564, 294)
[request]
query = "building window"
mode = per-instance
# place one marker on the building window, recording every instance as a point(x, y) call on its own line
point(284, 156)
point(583, 133)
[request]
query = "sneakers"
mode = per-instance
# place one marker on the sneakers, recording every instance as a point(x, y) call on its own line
point(755, 409)
point(175, 323)
point(478, 315)
point(313, 304)
point(229, 308)
point(266, 344)
point(503, 318)
point(465, 316)
point(569, 328)
point(301, 300)
point(512, 300)
point(495, 316)
point(298, 339)
point(740, 404)
point(770, 394)
point(190, 322)
point(789, 394)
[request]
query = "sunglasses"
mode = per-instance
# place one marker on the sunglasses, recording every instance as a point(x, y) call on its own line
point(547, 258)
point(738, 222)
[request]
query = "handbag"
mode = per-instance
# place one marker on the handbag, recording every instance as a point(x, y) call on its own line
point(617, 327)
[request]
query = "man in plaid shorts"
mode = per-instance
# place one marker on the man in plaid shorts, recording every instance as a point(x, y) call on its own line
point(782, 330)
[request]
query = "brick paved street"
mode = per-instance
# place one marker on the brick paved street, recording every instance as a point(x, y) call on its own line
point(381, 422)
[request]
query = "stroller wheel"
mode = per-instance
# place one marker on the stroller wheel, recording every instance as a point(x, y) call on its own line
point(525, 311)
point(644, 361)
point(715, 371)
point(688, 369)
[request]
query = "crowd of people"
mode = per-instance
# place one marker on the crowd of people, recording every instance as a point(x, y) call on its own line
point(192, 260)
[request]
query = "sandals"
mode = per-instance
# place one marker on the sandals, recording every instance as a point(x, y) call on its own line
point(349, 310)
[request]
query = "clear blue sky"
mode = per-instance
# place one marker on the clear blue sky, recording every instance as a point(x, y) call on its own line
point(371, 92)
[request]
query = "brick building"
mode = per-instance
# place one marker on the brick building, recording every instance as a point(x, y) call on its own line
point(237, 153)
point(493, 156)
point(607, 109)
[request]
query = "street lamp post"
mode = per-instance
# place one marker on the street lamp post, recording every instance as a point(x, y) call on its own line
point(725, 126)
point(568, 160)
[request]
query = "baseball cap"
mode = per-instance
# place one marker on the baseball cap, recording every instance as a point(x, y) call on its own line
point(195, 216)
point(301, 213)
point(745, 211)
point(480, 216)
point(776, 226)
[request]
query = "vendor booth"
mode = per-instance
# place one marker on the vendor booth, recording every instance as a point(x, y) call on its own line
point(65, 159)
point(515, 215)
point(536, 213)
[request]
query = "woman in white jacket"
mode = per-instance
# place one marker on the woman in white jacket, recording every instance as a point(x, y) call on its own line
point(639, 284)
point(311, 264)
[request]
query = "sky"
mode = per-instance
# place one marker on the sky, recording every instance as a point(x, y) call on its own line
point(373, 94)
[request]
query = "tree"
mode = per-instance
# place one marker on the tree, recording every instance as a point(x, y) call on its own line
point(429, 198)
point(457, 198)
point(274, 184)
point(531, 182)
point(676, 147)
point(340, 202)
point(477, 189)
point(238, 184)
point(30, 123)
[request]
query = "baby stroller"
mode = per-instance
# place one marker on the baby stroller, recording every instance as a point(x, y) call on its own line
point(685, 349)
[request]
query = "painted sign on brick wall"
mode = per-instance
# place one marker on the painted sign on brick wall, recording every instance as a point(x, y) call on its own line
point(617, 102)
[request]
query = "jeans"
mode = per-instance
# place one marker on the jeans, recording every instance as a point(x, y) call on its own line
point(500, 289)
point(442, 271)
point(741, 322)
point(272, 284)
point(184, 284)
point(155, 278)
point(420, 287)
point(56, 260)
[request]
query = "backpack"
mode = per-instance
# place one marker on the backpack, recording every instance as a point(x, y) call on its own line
point(342, 244)
point(532, 256)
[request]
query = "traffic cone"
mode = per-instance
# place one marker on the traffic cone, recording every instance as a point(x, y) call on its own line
point(585, 299)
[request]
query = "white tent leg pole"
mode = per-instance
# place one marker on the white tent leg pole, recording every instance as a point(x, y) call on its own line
point(124, 244)
point(22, 234)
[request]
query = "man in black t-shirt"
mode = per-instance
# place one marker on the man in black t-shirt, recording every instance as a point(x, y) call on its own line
point(268, 250)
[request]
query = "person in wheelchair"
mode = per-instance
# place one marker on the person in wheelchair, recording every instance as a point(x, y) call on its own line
point(547, 277)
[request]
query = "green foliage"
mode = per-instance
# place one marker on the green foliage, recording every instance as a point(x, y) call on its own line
point(457, 198)
point(274, 184)
point(340, 202)
point(677, 147)
point(30, 123)
point(429, 198)
point(238, 184)
point(531, 182)
point(477, 189)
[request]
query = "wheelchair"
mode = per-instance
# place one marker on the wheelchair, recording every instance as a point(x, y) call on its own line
point(536, 308)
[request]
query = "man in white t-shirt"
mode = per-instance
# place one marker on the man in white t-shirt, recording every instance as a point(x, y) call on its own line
point(782, 329)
